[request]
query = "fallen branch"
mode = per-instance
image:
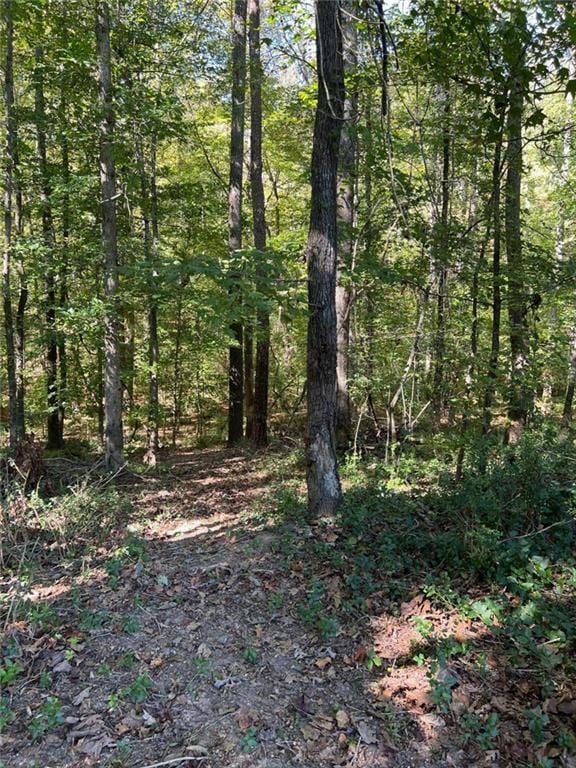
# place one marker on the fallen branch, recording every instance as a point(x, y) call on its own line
point(535, 533)
point(176, 760)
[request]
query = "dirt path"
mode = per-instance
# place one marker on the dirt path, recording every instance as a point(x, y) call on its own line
point(191, 644)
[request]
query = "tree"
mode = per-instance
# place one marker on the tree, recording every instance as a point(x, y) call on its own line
point(54, 422)
point(323, 482)
point(113, 435)
point(346, 220)
point(260, 429)
point(235, 354)
point(14, 350)
point(520, 391)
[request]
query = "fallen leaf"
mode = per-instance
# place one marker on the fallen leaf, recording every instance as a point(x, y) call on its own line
point(407, 609)
point(342, 719)
point(197, 749)
point(323, 662)
point(365, 732)
point(567, 707)
point(245, 720)
point(94, 746)
point(324, 722)
point(77, 700)
point(309, 732)
point(360, 654)
point(203, 651)
point(343, 741)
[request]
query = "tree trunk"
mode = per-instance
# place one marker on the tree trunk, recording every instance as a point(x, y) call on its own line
point(10, 187)
point(149, 206)
point(153, 342)
point(520, 397)
point(560, 247)
point(260, 433)
point(54, 436)
point(346, 221)
point(235, 354)
point(496, 278)
point(113, 437)
point(176, 377)
point(441, 246)
point(249, 378)
point(324, 491)
point(63, 293)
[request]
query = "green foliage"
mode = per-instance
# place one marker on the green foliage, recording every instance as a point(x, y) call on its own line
point(249, 741)
point(48, 717)
point(314, 613)
point(7, 715)
point(483, 731)
point(9, 671)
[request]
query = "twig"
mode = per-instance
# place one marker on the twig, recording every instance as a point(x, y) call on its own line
point(176, 760)
point(535, 533)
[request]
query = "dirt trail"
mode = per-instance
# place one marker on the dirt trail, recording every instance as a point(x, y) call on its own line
point(197, 647)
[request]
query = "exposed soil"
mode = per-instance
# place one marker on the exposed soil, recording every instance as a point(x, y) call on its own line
point(199, 654)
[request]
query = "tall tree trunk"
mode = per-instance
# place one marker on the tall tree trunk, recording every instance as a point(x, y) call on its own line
point(493, 362)
point(54, 435)
point(153, 342)
point(176, 377)
point(235, 353)
point(560, 246)
point(113, 438)
point(9, 173)
point(149, 251)
point(346, 220)
point(441, 246)
point(323, 482)
point(249, 378)
point(260, 432)
point(520, 398)
point(63, 292)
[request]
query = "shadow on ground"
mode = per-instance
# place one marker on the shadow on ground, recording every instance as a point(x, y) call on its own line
point(231, 638)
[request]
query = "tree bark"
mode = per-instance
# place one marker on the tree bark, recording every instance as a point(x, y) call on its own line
point(441, 246)
point(260, 432)
point(560, 247)
point(153, 341)
point(324, 493)
point(10, 170)
point(63, 287)
point(235, 353)
point(113, 432)
point(520, 397)
point(493, 361)
point(346, 221)
point(54, 435)
point(150, 232)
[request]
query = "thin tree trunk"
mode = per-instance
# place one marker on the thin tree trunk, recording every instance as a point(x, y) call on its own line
point(176, 388)
point(153, 341)
point(260, 433)
point(520, 398)
point(10, 170)
point(323, 482)
point(493, 362)
point(441, 245)
point(560, 248)
point(63, 293)
point(114, 440)
point(54, 436)
point(249, 378)
point(235, 353)
point(346, 220)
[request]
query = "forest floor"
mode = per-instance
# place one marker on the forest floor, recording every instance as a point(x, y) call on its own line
point(212, 626)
